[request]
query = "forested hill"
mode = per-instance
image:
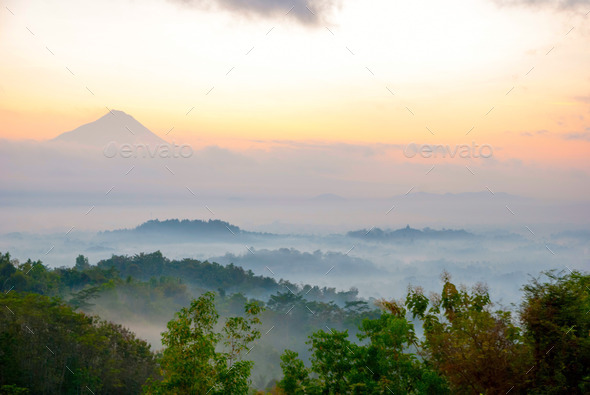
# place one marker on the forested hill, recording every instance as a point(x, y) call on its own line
point(200, 275)
point(215, 277)
point(410, 234)
point(205, 274)
point(143, 292)
point(184, 229)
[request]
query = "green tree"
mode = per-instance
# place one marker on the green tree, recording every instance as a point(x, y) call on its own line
point(382, 363)
point(48, 348)
point(191, 364)
point(295, 375)
point(478, 350)
point(13, 390)
point(81, 263)
point(555, 315)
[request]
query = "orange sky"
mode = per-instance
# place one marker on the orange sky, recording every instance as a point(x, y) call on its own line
point(448, 67)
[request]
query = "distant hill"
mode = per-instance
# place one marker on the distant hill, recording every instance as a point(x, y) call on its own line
point(409, 233)
point(189, 226)
point(461, 197)
point(184, 229)
point(114, 126)
point(213, 276)
point(185, 225)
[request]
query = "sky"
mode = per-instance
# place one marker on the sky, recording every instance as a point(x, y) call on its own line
point(269, 77)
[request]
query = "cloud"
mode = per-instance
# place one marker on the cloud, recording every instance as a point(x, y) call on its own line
point(559, 4)
point(311, 13)
point(585, 135)
point(535, 133)
point(59, 173)
point(360, 149)
point(295, 264)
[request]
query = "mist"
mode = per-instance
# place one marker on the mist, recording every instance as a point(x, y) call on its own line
point(377, 266)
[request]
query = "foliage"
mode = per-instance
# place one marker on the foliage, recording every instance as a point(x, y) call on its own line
point(296, 376)
point(164, 287)
point(215, 277)
point(468, 346)
point(382, 364)
point(13, 390)
point(33, 276)
point(191, 363)
point(556, 319)
point(46, 348)
point(476, 349)
point(82, 263)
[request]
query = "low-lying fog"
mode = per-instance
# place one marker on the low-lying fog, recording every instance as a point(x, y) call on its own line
point(378, 263)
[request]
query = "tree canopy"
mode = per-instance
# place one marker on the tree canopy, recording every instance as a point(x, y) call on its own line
point(464, 343)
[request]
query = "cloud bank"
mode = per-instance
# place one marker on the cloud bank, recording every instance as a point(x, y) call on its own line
point(308, 13)
point(585, 135)
point(558, 4)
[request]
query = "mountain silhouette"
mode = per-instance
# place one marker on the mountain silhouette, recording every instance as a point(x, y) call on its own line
point(114, 126)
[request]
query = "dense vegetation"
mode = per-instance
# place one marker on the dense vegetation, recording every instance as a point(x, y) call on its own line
point(149, 283)
point(211, 344)
point(191, 362)
point(144, 291)
point(47, 348)
point(213, 276)
point(468, 347)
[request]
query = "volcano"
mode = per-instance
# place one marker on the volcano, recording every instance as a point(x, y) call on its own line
point(114, 126)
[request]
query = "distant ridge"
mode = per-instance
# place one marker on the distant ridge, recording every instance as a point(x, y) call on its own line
point(462, 196)
point(114, 126)
point(214, 228)
point(328, 197)
point(409, 233)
